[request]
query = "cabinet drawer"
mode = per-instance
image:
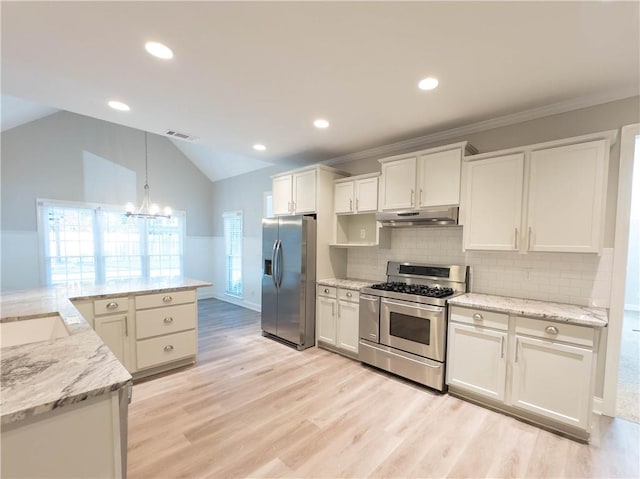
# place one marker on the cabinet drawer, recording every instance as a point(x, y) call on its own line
point(170, 319)
point(348, 295)
point(567, 333)
point(165, 349)
point(165, 299)
point(111, 305)
point(328, 291)
point(488, 319)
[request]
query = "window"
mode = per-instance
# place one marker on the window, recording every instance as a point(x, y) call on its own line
point(90, 243)
point(233, 248)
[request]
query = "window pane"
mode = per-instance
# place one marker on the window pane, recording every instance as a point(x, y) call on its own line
point(233, 247)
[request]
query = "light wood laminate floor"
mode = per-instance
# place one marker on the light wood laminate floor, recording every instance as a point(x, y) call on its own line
point(252, 407)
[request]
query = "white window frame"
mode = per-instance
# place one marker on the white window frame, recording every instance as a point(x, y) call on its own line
point(99, 258)
point(232, 288)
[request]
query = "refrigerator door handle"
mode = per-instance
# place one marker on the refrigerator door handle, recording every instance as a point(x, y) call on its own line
point(274, 271)
point(280, 259)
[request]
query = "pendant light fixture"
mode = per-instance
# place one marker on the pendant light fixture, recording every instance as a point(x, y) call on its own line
point(147, 209)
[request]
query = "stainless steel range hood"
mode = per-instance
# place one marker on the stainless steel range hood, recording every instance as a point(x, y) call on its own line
point(419, 218)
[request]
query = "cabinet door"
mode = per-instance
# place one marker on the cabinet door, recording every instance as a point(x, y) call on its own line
point(367, 195)
point(567, 189)
point(113, 330)
point(439, 178)
point(493, 203)
point(343, 197)
point(304, 192)
point(348, 326)
point(398, 184)
point(282, 186)
point(476, 360)
point(326, 318)
point(552, 380)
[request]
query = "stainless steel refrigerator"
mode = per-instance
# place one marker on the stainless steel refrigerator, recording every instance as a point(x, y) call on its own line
point(288, 280)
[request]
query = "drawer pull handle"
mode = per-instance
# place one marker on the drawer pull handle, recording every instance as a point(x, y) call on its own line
point(168, 348)
point(167, 299)
point(477, 317)
point(168, 320)
point(326, 290)
point(349, 295)
point(551, 330)
point(112, 305)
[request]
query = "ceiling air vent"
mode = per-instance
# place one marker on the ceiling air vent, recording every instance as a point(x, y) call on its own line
point(182, 136)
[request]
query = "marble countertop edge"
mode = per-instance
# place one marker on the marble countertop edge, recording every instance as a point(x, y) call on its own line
point(552, 311)
point(353, 284)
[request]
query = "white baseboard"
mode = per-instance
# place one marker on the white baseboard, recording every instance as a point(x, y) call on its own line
point(237, 301)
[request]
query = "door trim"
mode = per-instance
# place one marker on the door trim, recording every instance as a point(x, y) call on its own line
point(618, 280)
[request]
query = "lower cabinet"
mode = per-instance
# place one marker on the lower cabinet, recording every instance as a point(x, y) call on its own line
point(148, 333)
point(337, 311)
point(538, 370)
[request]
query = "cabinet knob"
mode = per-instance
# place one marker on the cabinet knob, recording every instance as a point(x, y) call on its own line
point(326, 290)
point(168, 348)
point(167, 299)
point(551, 330)
point(112, 305)
point(168, 319)
point(349, 294)
point(477, 317)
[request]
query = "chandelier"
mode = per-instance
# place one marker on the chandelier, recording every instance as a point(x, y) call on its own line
point(147, 209)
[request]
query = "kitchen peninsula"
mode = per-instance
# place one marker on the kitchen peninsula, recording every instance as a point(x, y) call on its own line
point(68, 397)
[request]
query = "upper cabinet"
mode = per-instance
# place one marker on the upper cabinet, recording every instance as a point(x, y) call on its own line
point(422, 179)
point(356, 194)
point(297, 192)
point(547, 197)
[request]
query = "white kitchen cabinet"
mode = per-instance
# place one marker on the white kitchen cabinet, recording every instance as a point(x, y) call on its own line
point(539, 370)
point(343, 194)
point(348, 330)
point(337, 311)
point(553, 380)
point(367, 194)
point(166, 330)
point(544, 197)
point(298, 192)
point(326, 318)
point(492, 205)
point(111, 323)
point(114, 331)
point(398, 184)
point(567, 197)
point(439, 178)
point(282, 194)
point(476, 360)
point(422, 179)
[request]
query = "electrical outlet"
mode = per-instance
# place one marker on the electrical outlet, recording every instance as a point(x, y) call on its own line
point(362, 234)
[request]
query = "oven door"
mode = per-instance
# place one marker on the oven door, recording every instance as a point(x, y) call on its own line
point(413, 327)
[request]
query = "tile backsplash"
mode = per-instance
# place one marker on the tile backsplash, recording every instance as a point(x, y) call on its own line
point(576, 278)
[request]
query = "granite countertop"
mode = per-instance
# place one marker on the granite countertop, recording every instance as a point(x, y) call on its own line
point(560, 312)
point(42, 376)
point(353, 284)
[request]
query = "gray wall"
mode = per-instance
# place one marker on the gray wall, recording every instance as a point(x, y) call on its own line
point(45, 159)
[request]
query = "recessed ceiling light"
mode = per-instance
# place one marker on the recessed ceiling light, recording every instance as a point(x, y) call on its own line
point(159, 50)
point(259, 147)
point(118, 105)
point(320, 123)
point(428, 83)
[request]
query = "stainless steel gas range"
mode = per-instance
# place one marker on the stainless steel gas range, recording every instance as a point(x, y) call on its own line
point(403, 322)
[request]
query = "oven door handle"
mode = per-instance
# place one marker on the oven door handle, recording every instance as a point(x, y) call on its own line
point(406, 304)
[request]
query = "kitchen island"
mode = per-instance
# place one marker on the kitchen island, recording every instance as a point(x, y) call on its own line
point(67, 397)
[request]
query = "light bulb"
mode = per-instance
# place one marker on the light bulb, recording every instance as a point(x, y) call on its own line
point(129, 207)
point(154, 209)
point(167, 211)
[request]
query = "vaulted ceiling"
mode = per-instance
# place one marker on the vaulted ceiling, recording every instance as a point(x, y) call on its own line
point(262, 72)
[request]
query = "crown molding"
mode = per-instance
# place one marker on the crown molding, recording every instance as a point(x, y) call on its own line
point(498, 122)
